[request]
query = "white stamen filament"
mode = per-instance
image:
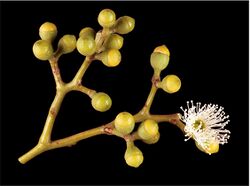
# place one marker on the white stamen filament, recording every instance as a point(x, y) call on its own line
point(212, 120)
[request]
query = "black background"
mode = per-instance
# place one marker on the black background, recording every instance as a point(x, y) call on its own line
point(208, 42)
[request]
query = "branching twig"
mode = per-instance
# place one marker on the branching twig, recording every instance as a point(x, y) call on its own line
point(62, 88)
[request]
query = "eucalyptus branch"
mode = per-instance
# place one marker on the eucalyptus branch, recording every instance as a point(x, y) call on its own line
point(105, 46)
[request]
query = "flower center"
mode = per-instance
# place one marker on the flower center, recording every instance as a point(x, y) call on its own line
point(199, 124)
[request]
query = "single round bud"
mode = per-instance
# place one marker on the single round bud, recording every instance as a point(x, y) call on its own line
point(153, 140)
point(101, 102)
point(124, 25)
point(86, 46)
point(110, 58)
point(124, 123)
point(171, 84)
point(48, 31)
point(148, 129)
point(162, 49)
point(133, 156)
point(106, 18)
point(159, 60)
point(213, 147)
point(43, 49)
point(115, 41)
point(87, 32)
point(67, 44)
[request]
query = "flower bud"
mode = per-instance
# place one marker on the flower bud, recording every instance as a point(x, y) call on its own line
point(148, 129)
point(101, 102)
point(110, 58)
point(153, 140)
point(67, 44)
point(42, 49)
point(86, 46)
point(87, 32)
point(159, 60)
point(133, 155)
point(48, 31)
point(171, 84)
point(106, 18)
point(124, 123)
point(115, 41)
point(162, 49)
point(124, 25)
point(212, 147)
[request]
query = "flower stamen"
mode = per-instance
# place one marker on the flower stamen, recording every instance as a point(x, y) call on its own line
point(205, 124)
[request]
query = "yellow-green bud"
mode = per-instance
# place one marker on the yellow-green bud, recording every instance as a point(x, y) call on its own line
point(48, 31)
point(162, 49)
point(159, 60)
point(124, 123)
point(148, 129)
point(110, 58)
point(153, 140)
point(124, 25)
point(106, 18)
point(133, 156)
point(171, 84)
point(87, 32)
point(86, 46)
point(67, 44)
point(115, 41)
point(213, 147)
point(101, 102)
point(43, 49)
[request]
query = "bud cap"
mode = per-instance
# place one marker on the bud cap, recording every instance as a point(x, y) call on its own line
point(42, 49)
point(48, 31)
point(67, 43)
point(124, 123)
point(133, 156)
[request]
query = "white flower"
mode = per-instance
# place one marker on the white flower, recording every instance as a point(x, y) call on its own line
point(205, 124)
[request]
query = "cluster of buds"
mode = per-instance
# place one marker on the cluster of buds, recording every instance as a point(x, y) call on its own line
point(102, 46)
point(205, 124)
point(43, 48)
point(148, 132)
point(148, 129)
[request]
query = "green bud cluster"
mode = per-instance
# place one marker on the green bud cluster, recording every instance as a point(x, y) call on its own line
point(148, 132)
point(108, 51)
point(43, 49)
point(159, 60)
point(105, 46)
point(123, 25)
